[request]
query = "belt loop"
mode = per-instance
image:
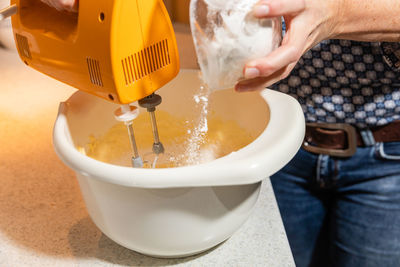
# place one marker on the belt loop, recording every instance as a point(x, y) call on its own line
point(367, 137)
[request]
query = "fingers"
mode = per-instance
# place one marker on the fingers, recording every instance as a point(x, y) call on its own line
point(251, 85)
point(66, 5)
point(274, 8)
point(278, 59)
point(63, 5)
point(269, 70)
point(260, 83)
point(289, 52)
point(293, 46)
point(70, 5)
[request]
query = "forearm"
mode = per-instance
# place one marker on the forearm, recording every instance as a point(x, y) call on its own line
point(308, 22)
point(368, 20)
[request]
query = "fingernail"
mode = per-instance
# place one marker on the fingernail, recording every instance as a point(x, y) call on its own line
point(261, 10)
point(240, 88)
point(250, 73)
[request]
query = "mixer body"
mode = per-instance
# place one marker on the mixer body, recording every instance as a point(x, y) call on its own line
point(119, 50)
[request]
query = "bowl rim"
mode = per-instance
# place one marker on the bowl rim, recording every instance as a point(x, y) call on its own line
point(276, 145)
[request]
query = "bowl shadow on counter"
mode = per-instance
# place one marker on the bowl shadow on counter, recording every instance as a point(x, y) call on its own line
point(86, 241)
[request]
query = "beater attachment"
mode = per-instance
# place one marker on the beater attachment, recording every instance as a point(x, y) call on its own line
point(150, 102)
point(126, 114)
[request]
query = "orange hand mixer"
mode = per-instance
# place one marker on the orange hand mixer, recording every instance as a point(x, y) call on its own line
point(119, 50)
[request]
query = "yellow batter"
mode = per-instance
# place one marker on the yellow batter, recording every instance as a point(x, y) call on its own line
point(184, 143)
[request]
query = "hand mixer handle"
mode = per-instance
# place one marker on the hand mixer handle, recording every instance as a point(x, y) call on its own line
point(118, 50)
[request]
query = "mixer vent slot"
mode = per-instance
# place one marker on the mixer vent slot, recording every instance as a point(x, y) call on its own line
point(23, 46)
point(146, 61)
point(94, 71)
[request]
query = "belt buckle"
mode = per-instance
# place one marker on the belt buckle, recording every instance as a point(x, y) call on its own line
point(342, 153)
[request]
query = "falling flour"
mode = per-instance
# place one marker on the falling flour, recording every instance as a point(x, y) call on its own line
point(197, 138)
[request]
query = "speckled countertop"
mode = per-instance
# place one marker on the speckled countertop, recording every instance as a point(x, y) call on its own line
point(43, 220)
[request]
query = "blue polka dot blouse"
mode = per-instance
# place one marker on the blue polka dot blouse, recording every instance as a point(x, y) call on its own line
point(347, 82)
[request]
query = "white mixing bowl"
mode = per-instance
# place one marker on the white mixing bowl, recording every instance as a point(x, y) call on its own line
point(176, 212)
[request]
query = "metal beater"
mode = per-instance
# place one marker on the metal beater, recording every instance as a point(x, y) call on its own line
point(150, 103)
point(127, 113)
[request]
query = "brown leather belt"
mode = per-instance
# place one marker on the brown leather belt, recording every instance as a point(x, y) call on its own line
point(341, 140)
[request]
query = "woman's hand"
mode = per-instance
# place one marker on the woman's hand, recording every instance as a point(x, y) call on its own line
point(307, 23)
point(63, 5)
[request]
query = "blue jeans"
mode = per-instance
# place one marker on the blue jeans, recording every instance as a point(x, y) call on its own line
point(342, 211)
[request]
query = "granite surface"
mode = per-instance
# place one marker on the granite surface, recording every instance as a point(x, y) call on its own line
point(43, 220)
